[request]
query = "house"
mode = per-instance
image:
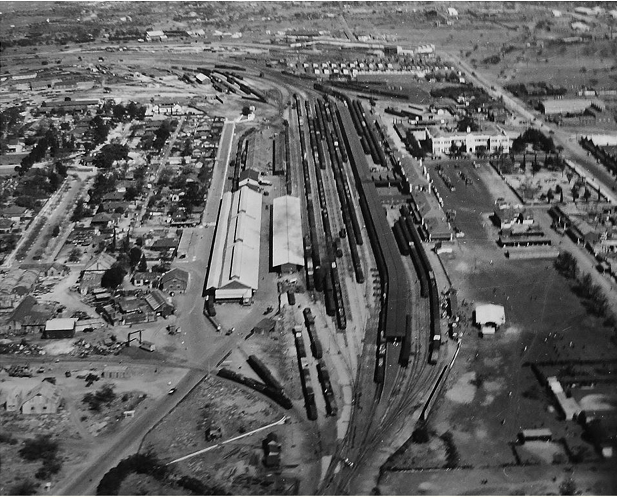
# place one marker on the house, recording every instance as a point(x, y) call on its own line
point(159, 304)
point(175, 280)
point(60, 328)
point(15, 213)
point(14, 400)
point(29, 316)
point(42, 399)
point(147, 279)
point(165, 244)
point(6, 226)
point(102, 219)
point(249, 177)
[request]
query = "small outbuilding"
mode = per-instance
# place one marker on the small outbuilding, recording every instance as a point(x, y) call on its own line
point(60, 328)
point(535, 435)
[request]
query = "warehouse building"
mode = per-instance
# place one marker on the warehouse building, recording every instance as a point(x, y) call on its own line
point(233, 272)
point(287, 248)
point(570, 106)
point(493, 139)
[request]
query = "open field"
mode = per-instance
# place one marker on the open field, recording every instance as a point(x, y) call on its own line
point(493, 394)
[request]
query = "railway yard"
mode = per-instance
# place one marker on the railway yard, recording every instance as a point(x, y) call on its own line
point(239, 267)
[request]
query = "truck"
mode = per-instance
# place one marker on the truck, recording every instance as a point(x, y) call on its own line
point(149, 346)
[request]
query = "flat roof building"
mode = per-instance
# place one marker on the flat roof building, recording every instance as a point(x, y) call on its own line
point(287, 248)
point(493, 139)
point(569, 105)
point(234, 264)
point(60, 328)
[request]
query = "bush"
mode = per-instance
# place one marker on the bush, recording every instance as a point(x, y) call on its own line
point(147, 464)
point(26, 487)
point(6, 438)
point(41, 447)
point(105, 395)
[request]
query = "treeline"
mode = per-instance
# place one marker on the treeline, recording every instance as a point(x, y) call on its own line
point(149, 464)
point(535, 137)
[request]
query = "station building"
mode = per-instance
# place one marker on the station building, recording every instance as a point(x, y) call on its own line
point(493, 139)
point(233, 273)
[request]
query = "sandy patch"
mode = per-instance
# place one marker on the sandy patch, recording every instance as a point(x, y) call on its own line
point(463, 390)
point(462, 267)
point(512, 332)
point(493, 386)
point(545, 451)
point(481, 433)
point(58, 347)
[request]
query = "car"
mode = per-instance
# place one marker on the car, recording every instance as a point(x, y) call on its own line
point(172, 391)
point(230, 331)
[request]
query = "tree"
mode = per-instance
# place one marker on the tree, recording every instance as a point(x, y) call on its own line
point(567, 265)
point(135, 255)
point(113, 277)
point(55, 231)
point(550, 195)
point(75, 255)
point(61, 169)
point(143, 264)
point(40, 447)
point(25, 487)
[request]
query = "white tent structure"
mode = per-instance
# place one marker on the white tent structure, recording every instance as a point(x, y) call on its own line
point(489, 317)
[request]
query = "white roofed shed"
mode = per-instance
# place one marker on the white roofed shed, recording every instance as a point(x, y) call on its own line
point(287, 248)
point(490, 314)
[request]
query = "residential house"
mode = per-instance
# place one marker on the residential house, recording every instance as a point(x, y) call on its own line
point(159, 304)
point(42, 399)
point(147, 279)
point(175, 280)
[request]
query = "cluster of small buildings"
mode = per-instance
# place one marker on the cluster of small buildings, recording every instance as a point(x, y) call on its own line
point(519, 235)
point(593, 226)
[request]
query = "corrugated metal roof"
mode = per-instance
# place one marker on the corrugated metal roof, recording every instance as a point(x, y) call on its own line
point(235, 257)
point(60, 324)
point(287, 245)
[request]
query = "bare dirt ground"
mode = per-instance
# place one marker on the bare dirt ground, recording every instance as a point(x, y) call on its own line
point(491, 395)
point(224, 410)
point(79, 430)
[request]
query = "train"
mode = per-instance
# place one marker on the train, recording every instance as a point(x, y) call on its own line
point(266, 390)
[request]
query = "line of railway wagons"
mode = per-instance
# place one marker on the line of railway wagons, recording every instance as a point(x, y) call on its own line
point(428, 283)
point(305, 377)
point(322, 370)
point(277, 395)
point(332, 285)
point(336, 150)
point(393, 316)
point(395, 292)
